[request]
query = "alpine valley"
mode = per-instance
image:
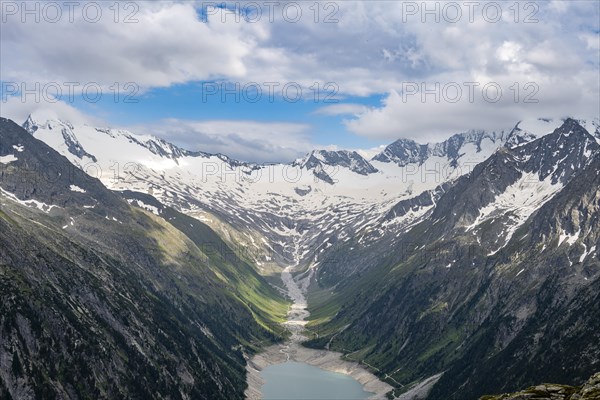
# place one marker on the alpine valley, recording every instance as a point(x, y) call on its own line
point(133, 268)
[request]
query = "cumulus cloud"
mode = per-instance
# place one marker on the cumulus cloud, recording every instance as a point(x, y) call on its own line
point(167, 43)
point(420, 116)
point(17, 110)
point(342, 109)
point(545, 69)
point(375, 47)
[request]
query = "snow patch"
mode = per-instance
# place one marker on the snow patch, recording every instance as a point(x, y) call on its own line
point(147, 207)
point(75, 188)
point(586, 252)
point(410, 218)
point(30, 203)
point(520, 272)
point(517, 203)
point(570, 239)
point(8, 159)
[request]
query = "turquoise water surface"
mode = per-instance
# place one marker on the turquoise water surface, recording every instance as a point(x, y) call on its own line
point(299, 381)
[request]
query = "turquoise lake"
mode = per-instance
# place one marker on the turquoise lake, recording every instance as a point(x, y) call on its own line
point(299, 381)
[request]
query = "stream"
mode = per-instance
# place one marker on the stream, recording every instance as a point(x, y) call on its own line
point(295, 379)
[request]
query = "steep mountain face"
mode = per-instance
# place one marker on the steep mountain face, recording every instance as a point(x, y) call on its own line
point(495, 289)
point(514, 168)
point(508, 187)
point(101, 299)
point(403, 152)
point(548, 313)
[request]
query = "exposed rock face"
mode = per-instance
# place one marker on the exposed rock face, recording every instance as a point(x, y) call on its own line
point(589, 391)
point(405, 151)
point(320, 161)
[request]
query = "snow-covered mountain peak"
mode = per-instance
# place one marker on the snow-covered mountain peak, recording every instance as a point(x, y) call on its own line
point(34, 122)
point(558, 155)
point(518, 136)
point(468, 145)
point(472, 144)
point(57, 134)
point(320, 159)
point(504, 191)
point(401, 152)
point(529, 129)
point(120, 144)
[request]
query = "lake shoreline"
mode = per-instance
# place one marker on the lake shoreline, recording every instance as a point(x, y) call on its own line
point(292, 350)
point(324, 359)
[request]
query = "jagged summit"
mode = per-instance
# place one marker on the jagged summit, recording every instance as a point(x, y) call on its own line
point(319, 160)
point(402, 152)
point(73, 137)
point(471, 144)
point(405, 151)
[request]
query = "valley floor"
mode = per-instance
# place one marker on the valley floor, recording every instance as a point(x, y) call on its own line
point(292, 350)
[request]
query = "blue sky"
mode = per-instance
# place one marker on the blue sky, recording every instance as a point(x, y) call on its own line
point(380, 55)
point(188, 102)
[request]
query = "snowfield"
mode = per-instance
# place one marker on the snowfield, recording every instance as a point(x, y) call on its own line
point(299, 206)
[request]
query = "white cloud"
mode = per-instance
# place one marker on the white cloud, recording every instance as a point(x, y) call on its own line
point(253, 141)
point(592, 41)
point(375, 48)
point(169, 44)
point(342, 109)
point(368, 154)
point(425, 119)
point(558, 61)
point(508, 52)
point(18, 111)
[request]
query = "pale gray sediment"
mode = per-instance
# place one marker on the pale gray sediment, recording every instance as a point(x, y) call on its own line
point(420, 390)
point(292, 350)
